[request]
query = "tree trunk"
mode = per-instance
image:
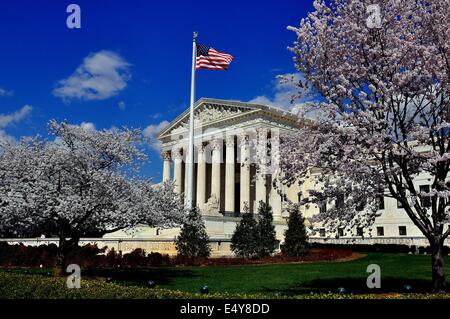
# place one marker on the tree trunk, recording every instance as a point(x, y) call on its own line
point(437, 266)
point(60, 262)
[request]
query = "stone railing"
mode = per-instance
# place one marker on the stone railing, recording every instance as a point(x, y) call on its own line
point(219, 246)
point(410, 241)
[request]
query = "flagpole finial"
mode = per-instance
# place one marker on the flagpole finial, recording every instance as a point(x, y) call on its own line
point(195, 34)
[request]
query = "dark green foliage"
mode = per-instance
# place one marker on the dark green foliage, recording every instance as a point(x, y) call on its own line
point(266, 230)
point(193, 239)
point(245, 240)
point(136, 257)
point(255, 238)
point(21, 255)
point(295, 237)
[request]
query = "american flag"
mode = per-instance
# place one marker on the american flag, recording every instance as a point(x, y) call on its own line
point(209, 58)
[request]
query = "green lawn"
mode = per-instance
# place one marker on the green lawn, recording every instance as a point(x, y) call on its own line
point(396, 270)
point(272, 280)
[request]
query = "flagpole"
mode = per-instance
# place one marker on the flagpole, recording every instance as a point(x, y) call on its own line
point(190, 186)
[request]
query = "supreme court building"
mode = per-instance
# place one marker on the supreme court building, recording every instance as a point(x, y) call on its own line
point(235, 156)
point(235, 161)
point(235, 167)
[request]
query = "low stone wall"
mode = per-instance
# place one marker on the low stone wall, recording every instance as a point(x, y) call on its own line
point(410, 241)
point(219, 247)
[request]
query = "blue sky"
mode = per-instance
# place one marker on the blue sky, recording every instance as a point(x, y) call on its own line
point(140, 53)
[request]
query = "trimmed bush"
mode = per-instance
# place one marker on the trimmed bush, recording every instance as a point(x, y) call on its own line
point(295, 237)
point(136, 257)
point(245, 239)
point(19, 256)
point(266, 229)
point(32, 256)
point(192, 242)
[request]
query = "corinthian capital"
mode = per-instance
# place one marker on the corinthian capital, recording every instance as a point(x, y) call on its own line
point(244, 139)
point(201, 149)
point(177, 153)
point(166, 155)
point(216, 144)
point(230, 141)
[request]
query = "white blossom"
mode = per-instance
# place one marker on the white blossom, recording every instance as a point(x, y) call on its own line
point(386, 114)
point(84, 183)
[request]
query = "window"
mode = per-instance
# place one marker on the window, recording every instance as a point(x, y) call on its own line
point(340, 201)
point(380, 231)
point(359, 231)
point(426, 201)
point(340, 232)
point(299, 197)
point(322, 232)
point(402, 230)
point(323, 207)
point(380, 202)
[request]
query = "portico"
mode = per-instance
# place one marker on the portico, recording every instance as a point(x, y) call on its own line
point(235, 162)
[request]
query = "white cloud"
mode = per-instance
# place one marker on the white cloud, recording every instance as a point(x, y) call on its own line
point(285, 93)
point(156, 116)
point(4, 92)
point(101, 75)
point(12, 118)
point(8, 119)
point(151, 132)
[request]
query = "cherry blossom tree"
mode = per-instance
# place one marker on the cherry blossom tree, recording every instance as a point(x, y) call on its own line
point(84, 183)
point(383, 69)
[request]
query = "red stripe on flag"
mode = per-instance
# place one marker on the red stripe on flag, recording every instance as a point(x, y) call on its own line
point(214, 61)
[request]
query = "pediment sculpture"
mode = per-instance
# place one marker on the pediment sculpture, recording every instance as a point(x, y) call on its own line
point(208, 114)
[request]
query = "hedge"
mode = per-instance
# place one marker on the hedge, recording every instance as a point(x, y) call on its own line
point(92, 257)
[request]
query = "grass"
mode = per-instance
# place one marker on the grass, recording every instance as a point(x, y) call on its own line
point(286, 280)
point(396, 270)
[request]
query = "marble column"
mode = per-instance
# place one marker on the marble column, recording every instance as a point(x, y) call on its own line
point(178, 170)
point(260, 180)
point(245, 174)
point(275, 199)
point(229, 174)
point(185, 177)
point(166, 166)
point(216, 158)
point(201, 177)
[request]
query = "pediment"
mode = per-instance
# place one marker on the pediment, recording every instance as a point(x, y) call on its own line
point(219, 114)
point(207, 112)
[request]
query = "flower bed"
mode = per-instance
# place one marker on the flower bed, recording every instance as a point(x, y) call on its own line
point(90, 256)
point(314, 255)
